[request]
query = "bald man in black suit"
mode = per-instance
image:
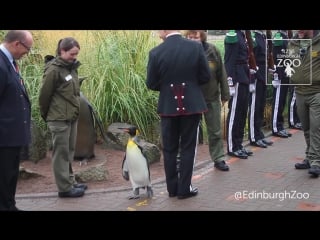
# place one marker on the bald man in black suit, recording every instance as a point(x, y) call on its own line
point(15, 114)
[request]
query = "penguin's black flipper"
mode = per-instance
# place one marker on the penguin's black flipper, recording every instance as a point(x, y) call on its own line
point(125, 171)
point(141, 149)
point(147, 164)
point(144, 154)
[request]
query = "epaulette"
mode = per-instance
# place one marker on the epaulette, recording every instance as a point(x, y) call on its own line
point(231, 37)
point(277, 40)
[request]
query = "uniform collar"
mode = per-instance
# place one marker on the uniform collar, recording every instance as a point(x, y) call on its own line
point(259, 31)
point(172, 34)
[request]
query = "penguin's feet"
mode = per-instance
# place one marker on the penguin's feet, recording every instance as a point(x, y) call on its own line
point(83, 162)
point(134, 197)
point(136, 194)
point(149, 192)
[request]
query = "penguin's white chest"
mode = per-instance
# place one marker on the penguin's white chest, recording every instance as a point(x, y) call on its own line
point(137, 166)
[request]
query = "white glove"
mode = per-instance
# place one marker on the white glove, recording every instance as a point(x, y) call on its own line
point(276, 83)
point(272, 70)
point(230, 82)
point(252, 88)
point(232, 91)
point(252, 71)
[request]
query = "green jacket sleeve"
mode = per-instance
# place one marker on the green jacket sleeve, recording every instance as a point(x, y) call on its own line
point(46, 92)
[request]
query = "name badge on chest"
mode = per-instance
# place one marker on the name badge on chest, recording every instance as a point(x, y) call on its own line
point(68, 77)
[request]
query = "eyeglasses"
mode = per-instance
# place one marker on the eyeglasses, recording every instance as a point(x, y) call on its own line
point(26, 47)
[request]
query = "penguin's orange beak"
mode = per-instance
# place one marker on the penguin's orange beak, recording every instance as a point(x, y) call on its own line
point(124, 129)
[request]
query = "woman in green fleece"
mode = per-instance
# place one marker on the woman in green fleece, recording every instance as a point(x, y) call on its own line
point(59, 101)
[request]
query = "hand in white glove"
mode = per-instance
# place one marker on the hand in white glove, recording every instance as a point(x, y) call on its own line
point(272, 70)
point(276, 83)
point(232, 91)
point(252, 71)
point(252, 88)
point(230, 82)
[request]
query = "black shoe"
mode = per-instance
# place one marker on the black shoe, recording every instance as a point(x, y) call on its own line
point(192, 193)
point(267, 142)
point(259, 143)
point(221, 166)
point(298, 126)
point(286, 132)
point(303, 165)
point(315, 171)
point(239, 154)
point(80, 185)
point(15, 209)
point(246, 151)
point(280, 134)
point(74, 192)
point(172, 194)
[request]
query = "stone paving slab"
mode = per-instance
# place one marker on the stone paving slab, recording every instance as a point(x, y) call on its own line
point(266, 181)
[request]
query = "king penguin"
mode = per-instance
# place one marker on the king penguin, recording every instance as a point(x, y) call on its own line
point(135, 166)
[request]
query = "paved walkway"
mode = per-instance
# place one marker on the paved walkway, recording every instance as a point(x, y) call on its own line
point(265, 181)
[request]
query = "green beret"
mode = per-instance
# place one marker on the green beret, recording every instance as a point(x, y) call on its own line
point(231, 37)
point(277, 40)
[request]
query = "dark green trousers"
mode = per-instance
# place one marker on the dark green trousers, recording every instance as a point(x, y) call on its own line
point(64, 134)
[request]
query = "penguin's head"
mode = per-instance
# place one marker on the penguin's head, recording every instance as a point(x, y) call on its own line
point(133, 131)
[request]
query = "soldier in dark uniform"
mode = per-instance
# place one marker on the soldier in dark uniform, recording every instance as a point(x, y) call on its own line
point(176, 68)
point(280, 84)
point(257, 100)
point(237, 68)
point(293, 118)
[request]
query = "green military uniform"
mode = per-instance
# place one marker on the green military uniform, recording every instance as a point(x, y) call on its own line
point(215, 91)
point(308, 102)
